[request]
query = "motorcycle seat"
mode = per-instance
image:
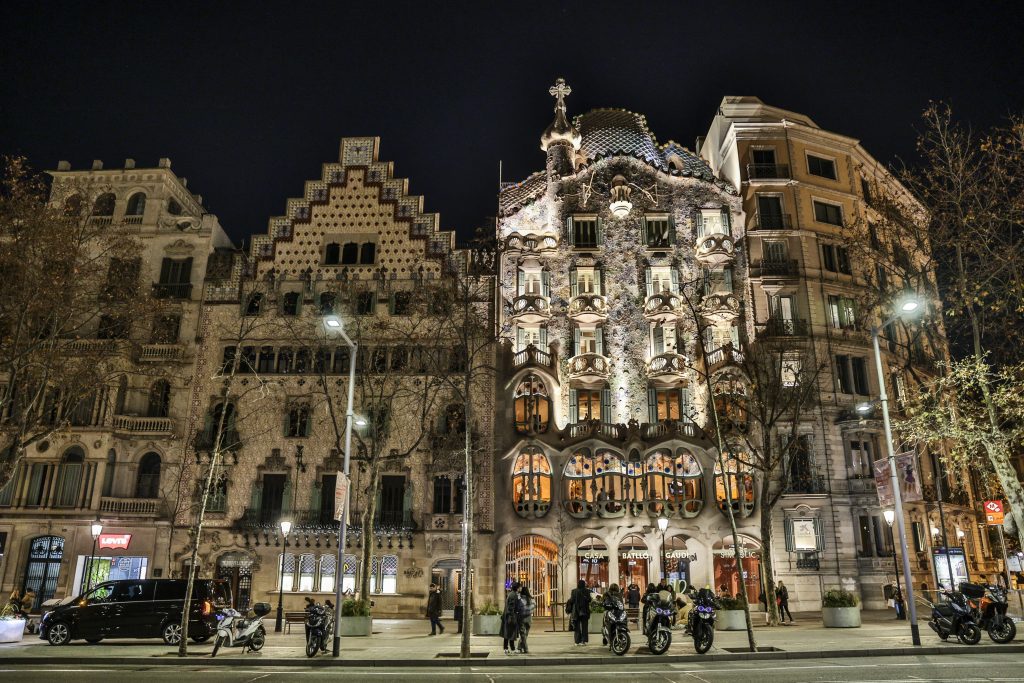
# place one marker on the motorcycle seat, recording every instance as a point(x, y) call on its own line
point(944, 610)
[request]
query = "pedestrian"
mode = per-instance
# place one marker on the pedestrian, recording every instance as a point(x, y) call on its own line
point(526, 620)
point(511, 619)
point(898, 604)
point(434, 609)
point(633, 596)
point(666, 586)
point(458, 613)
point(782, 594)
point(578, 609)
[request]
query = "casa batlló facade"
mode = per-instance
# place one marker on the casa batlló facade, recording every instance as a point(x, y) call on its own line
point(616, 261)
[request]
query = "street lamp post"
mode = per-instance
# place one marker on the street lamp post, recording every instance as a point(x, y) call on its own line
point(96, 530)
point(907, 306)
point(663, 525)
point(286, 526)
point(890, 517)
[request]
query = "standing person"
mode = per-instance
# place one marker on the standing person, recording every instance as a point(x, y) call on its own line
point(633, 596)
point(511, 620)
point(526, 620)
point(578, 608)
point(898, 604)
point(782, 593)
point(434, 609)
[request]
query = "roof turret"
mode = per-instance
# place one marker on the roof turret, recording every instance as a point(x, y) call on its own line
point(560, 129)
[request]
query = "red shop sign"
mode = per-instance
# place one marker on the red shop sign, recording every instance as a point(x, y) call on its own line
point(114, 541)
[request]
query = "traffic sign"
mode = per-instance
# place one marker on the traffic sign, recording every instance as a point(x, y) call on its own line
point(993, 512)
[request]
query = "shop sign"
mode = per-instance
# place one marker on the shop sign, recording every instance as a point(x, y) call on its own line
point(730, 553)
point(681, 555)
point(594, 555)
point(114, 541)
point(993, 512)
point(635, 555)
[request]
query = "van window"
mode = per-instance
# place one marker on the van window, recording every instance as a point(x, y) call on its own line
point(171, 590)
point(100, 593)
point(133, 591)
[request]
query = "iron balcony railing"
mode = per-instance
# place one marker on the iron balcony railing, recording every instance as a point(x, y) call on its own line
point(769, 221)
point(782, 327)
point(767, 171)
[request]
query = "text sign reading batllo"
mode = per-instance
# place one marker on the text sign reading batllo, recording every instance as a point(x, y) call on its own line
point(114, 541)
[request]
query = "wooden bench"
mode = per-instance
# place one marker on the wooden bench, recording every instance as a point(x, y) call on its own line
point(293, 618)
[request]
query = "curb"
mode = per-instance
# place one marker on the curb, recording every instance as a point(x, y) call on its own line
point(448, 663)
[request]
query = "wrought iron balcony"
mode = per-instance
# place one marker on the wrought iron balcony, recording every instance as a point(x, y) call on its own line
point(775, 268)
point(666, 366)
point(670, 429)
point(770, 221)
point(531, 308)
point(662, 307)
point(594, 428)
point(782, 327)
point(767, 171)
point(720, 307)
point(806, 483)
point(589, 367)
point(588, 308)
point(172, 290)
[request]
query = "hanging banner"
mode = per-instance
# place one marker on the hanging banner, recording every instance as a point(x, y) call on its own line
point(340, 496)
point(906, 474)
point(994, 512)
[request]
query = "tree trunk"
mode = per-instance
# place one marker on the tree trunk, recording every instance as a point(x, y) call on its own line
point(767, 570)
point(467, 529)
point(368, 534)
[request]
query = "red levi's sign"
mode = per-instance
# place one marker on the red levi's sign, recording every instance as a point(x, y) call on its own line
point(114, 541)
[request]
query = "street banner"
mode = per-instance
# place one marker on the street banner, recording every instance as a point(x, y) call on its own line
point(906, 474)
point(994, 512)
point(340, 495)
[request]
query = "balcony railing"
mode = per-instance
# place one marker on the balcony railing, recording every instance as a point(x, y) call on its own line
point(666, 364)
point(130, 506)
point(720, 307)
point(773, 221)
point(91, 345)
point(131, 424)
point(767, 171)
point(229, 440)
point(133, 220)
point(531, 355)
point(530, 308)
point(669, 429)
point(588, 366)
point(662, 307)
point(782, 327)
point(588, 308)
point(157, 353)
point(807, 484)
point(172, 290)
point(588, 428)
point(772, 268)
point(721, 356)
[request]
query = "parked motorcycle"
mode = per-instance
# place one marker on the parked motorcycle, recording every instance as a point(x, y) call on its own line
point(615, 627)
point(235, 629)
point(659, 625)
point(319, 626)
point(955, 618)
point(701, 622)
point(988, 607)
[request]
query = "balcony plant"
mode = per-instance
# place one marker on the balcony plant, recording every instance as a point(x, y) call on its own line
point(487, 620)
point(731, 617)
point(840, 609)
point(355, 618)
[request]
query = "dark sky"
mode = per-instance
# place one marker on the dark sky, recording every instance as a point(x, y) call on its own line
point(248, 99)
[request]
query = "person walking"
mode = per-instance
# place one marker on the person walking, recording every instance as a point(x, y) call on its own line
point(526, 619)
point(633, 596)
point(782, 594)
point(898, 604)
point(578, 609)
point(434, 609)
point(512, 618)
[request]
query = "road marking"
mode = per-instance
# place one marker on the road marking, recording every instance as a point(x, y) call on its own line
point(257, 678)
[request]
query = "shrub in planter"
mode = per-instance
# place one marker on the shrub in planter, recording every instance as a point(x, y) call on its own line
point(12, 626)
point(731, 616)
point(840, 609)
point(487, 620)
point(596, 616)
point(355, 618)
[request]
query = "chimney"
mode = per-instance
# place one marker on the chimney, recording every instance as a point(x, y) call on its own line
point(63, 165)
point(164, 162)
point(129, 163)
point(97, 165)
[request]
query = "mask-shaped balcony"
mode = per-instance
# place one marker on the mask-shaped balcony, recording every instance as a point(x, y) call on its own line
point(530, 243)
point(531, 309)
point(715, 250)
point(589, 367)
point(662, 307)
point(588, 308)
point(666, 366)
point(720, 307)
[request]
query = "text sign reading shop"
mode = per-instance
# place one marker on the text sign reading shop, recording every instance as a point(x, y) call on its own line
point(114, 541)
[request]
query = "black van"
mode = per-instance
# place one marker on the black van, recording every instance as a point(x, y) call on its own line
point(137, 608)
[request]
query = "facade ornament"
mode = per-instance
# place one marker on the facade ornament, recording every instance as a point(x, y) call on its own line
point(620, 205)
point(560, 131)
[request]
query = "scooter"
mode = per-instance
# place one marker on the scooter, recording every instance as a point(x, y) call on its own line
point(955, 619)
point(659, 625)
point(235, 629)
point(988, 607)
point(701, 622)
point(615, 627)
point(319, 624)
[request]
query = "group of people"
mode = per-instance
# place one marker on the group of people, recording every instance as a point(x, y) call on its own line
point(781, 601)
point(517, 618)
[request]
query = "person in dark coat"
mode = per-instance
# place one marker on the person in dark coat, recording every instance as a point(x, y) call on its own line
point(578, 609)
point(782, 595)
point(511, 620)
point(529, 605)
point(434, 609)
point(633, 596)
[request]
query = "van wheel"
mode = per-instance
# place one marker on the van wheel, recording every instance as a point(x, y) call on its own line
point(171, 633)
point(58, 634)
point(93, 641)
point(200, 639)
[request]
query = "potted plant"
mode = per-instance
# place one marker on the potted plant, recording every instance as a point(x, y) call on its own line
point(840, 609)
point(731, 617)
point(355, 618)
point(487, 620)
point(596, 616)
point(12, 625)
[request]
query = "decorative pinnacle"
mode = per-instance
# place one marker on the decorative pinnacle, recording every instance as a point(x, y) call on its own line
point(560, 130)
point(560, 90)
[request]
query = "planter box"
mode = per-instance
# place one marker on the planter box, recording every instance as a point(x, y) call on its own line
point(841, 617)
point(596, 620)
point(730, 620)
point(355, 626)
point(486, 624)
point(11, 630)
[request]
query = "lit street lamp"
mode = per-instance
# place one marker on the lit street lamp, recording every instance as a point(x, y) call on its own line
point(905, 306)
point(663, 525)
point(286, 526)
point(890, 517)
point(96, 530)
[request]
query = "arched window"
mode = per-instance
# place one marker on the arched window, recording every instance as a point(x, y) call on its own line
point(350, 253)
point(173, 207)
point(136, 204)
point(594, 483)
point(73, 205)
point(147, 484)
point(675, 485)
point(367, 253)
point(290, 304)
point(69, 477)
point(731, 402)
point(453, 419)
point(740, 481)
point(228, 438)
point(634, 560)
point(104, 205)
point(532, 406)
point(159, 399)
point(531, 483)
point(43, 567)
point(332, 254)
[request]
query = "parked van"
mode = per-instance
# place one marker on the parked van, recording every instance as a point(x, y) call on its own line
point(137, 608)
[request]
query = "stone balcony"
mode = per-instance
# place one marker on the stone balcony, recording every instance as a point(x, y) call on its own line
point(133, 425)
point(662, 307)
point(134, 507)
point(720, 307)
point(532, 356)
point(530, 243)
point(588, 308)
point(722, 356)
point(531, 309)
point(715, 250)
point(160, 353)
point(589, 367)
point(667, 366)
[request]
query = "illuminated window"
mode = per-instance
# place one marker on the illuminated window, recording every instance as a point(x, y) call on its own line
point(675, 485)
point(531, 483)
point(740, 484)
point(594, 483)
point(532, 406)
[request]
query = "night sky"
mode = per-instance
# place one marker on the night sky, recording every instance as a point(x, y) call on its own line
point(249, 99)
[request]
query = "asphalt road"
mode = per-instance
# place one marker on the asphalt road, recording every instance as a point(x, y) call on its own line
point(963, 668)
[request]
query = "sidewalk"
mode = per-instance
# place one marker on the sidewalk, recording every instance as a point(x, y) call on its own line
point(406, 643)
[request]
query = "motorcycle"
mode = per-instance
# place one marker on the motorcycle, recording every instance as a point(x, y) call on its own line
point(955, 618)
point(615, 627)
point(659, 625)
point(235, 629)
point(701, 622)
point(988, 607)
point(319, 625)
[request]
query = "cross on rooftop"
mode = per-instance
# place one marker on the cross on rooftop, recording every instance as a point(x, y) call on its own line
point(560, 90)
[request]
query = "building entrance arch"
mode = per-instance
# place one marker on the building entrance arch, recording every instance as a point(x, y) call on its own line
point(533, 560)
point(236, 569)
point(45, 554)
point(746, 577)
point(447, 574)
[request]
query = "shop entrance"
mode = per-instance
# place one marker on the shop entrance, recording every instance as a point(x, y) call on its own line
point(236, 569)
point(747, 578)
point(592, 563)
point(43, 567)
point(533, 560)
point(677, 561)
point(101, 569)
point(448, 575)
point(634, 562)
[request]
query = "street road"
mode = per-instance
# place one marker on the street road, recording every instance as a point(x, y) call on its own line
point(965, 668)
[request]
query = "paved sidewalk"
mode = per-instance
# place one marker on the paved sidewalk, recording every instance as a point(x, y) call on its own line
point(406, 643)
